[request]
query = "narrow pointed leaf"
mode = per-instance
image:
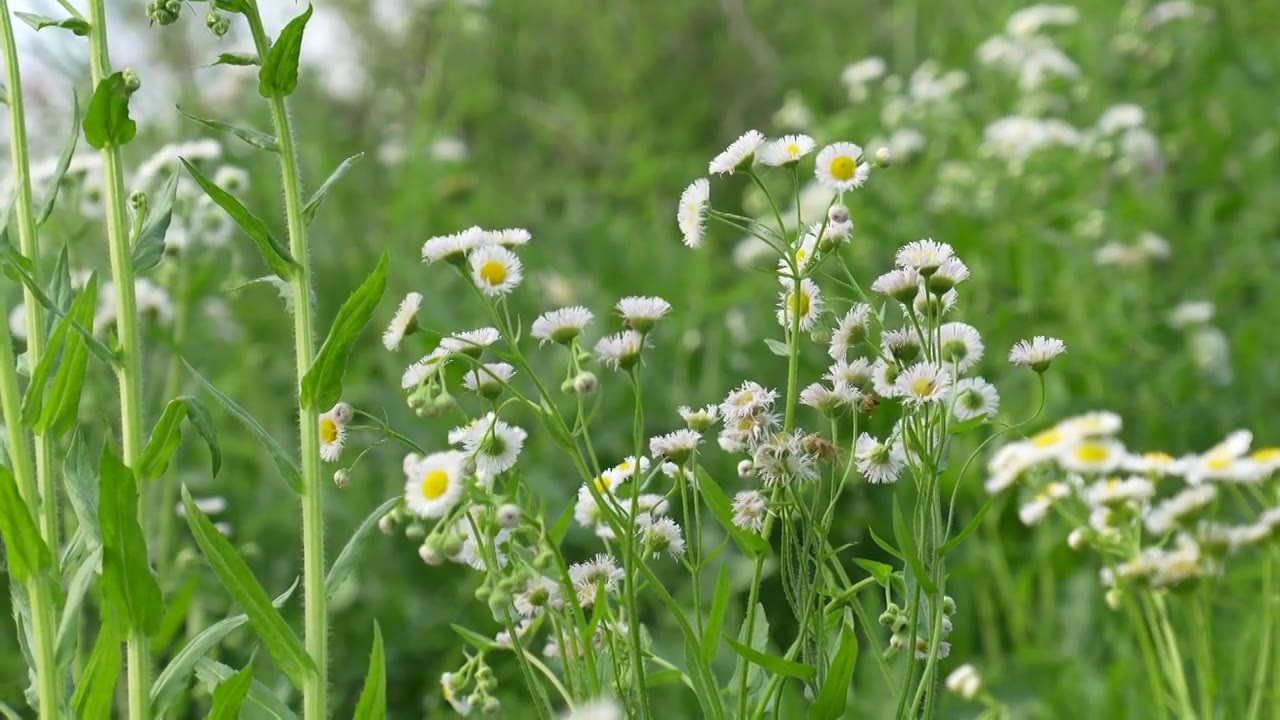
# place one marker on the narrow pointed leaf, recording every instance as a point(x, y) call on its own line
point(313, 205)
point(834, 696)
point(720, 505)
point(18, 268)
point(279, 73)
point(230, 694)
point(373, 699)
point(40, 22)
point(322, 385)
point(256, 138)
point(346, 562)
point(276, 255)
point(168, 431)
point(968, 529)
point(58, 416)
point(775, 665)
point(95, 691)
point(148, 249)
point(907, 542)
point(715, 620)
point(880, 571)
point(475, 639)
point(241, 59)
point(64, 162)
point(261, 702)
point(25, 550)
point(276, 635)
point(130, 587)
point(68, 627)
point(82, 486)
point(107, 120)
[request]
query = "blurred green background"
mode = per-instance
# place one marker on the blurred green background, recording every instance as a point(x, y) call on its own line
point(583, 122)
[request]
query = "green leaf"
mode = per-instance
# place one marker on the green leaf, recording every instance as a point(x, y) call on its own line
point(777, 348)
point(705, 694)
point(168, 432)
point(759, 639)
point(279, 74)
point(37, 388)
point(97, 684)
point(750, 543)
point(19, 268)
point(229, 695)
point(58, 417)
point(242, 59)
point(40, 22)
point(878, 570)
point(255, 138)
point(715, 620)
point(664, 677)
point(972, 525)
point(148, 249)
point(907, 541)
point(969, 425)
point(275, 254)
point(561, 526)
point(474, 639)
point(5, 708)
point(283, 460)
point(130, 587)
point(261, 699)
point(68, 628)
point(775, 665)
point(82, 486)
point(322, 385)
point(280, 640)
point(884, 544)
point(313, 205)
point(373, 699)
point(64, 162)
point(834, 695)
point(346, 562)
point(172, 680)
point(26, 552)
point(107, 121)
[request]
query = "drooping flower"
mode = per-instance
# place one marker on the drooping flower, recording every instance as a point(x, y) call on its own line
point(470, 342)
point(642, 313)
point(749, 510)
point(677, 446)
point(452, 248)
point(333, 431)
point(489, 379)
point(404, 322)
point(850, 330)
point(621, 350)
point(878, 462)
point(691, 215)
point(974, 397)
point(786, 150)
point(739, 154)
point(1037, 353)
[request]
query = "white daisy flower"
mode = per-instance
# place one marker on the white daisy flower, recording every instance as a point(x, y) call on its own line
point(660, 535)
point(749, 510)
point(691, 215)
point(453, 696)
point(805, 251)
point(508, 238)
point(1116, 491)
point(622, 350)
point(840, 167)
point(333, 431)
point(1180, 508)
point(488, 380)
point(748, 400)
point(924, 256)
point(1222, 461)
point(1152, 463)
point(1092, 456)
point(642, 313)
point(930, 305)
point(701, 419)
point(1093, 424)
point(974, 397)
point(470, 342)
point(965, 682)
point(850, 330)
point(494, 444)
point(902, 345)
point(539, 594)
point(884, 378)
point(1037, 353)
point(677, 446)
point(782, 459)
point(823, 399)
point(561, 326)
point(418, 372)
point(452, 248)
point(902, 284)
point(923, 382)
point(786, 150)
point(495, 270)
point(404, 322)
point(624, 470)
point(587, 577)
point(961, 345)
point(434, 485)
point(878, 462)
point(1007, 465)
point(809, 304)
point(951, 273)
point(739, 154)
point(854, 375)
point(232, 179)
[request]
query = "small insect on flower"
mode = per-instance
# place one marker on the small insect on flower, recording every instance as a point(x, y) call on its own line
point(975, 397)
point(738, 155)
point(924, 256)
point(661, 535)
point(495, 270)
point(642, 313)
point(850, 330)
point(809, 304)
point(488, 380)
point(561, 326)
point(902, 284)
point(749, 510)
point(960, 344)
point(1037, 353)
point(677, 446)
point(840, 167)
point(691, 215)
point(333, 431)
point(878, 462)
point(590, 576)
point(786, 150)
point(434, 485)
point(699, 420)
point(404, 323)
point(621, 351)
point(923, 382)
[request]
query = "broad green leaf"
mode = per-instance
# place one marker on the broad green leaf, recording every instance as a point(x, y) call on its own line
point(64, 162)
point(283, 460)
point(279, 74)
point(82, 486)
point(173, 679)
point(95, 691)
point(168, 431)
point(322, 385)
point(276, 635)
point(255, 138)
point(40, 22)
point(229, 695)
point(715, 619)
point(834, 695)
point(373, 699)
point(242, 59)
point(62, 405)
point(275, 254)
point(148, 249)
point(261, 701)
point(750, 543)
point(878, 570)
point(972, 525)
point(759, 640)
point(313, 205)
point(130, 587)
point(69, 626)
point(562, 525)
point(107, 120)
point(775, 665)
point(907, 541)
point(25, 550)
point(475, 639)
point(346, 562)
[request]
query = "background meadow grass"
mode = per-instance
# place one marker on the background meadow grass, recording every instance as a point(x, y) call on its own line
point(583, 124)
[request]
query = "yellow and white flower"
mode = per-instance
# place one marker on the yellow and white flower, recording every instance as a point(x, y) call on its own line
point(333, 431)
point(495, 270)
point(642, 313)
point(1037, 353)
point(924, 256)
point(691, 214)
point(808, 304)
point(404, 322)
point(840, 167)
point(1179, 509)
point(434, 484)
point(453, 248)
point(561, 326)
point(878, 462)
point(739, 154)
point(1092, 455)
point(488, 380)
point(1116, 491)
point(923, 382)
point(786, 150)
point(974, 397)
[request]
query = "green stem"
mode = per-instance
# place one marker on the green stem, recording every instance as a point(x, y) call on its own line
point(172, 386)
point(128, 371)
point(629, 545)
point(315, 685)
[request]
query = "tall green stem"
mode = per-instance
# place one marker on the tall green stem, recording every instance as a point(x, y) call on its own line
point(129, 369)
point(315, 618)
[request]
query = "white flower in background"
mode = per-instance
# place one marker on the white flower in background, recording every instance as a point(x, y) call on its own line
point(974, 397)
point(213, 505)
point(1164, 517)
point(489, 379)
point(404, 322)
point(1037, 353)
point(539, 594)
point(1191, 312)
point(1016, 138)
point(1117, 491)
point(677, 446)
point(961, 345)
point(1222, 461)
point(878, 462)
point(965, 682)
point(1007, 464)
point(494, 444)
point(840, 167)
point(18, 322)
point(1120, 117)
point(495, 270)
point(691, 215)
point(749, 510)
point(902, 284)
point(333, 431)
point(1031, 20)
point(699, 420)
point(1092, 424)
point(924, 256)
point(434, 484)
point(448, 149)
point(453, 247)
point(1167, 12)
point(850, 330)
point(905, 143)
point(1093, 456)
point(561, 326)
point(1033, 512)
point(809, 304)
point(739, 154)
point(642, 313)
point(470, 342)
point(786, 150)
point(923, 382)
point(231, 178)
point(587, 577)
point(621, 350)
point(508, 237)
point(660, 535)
point(595, 710)
point(856, 76)
point(794, 113)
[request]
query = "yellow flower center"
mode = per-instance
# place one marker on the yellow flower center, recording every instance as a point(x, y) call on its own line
point(1158, 457)
point(328, 431)
point(434, 484)
point(793, 150)
point(493, 272)
point(1266, 455)
point(922, 387)
point(1218, 462)
point(843, 167)
point(801, 254)
point(1092, 453)
point(602, 483)
point(1048, 438)
point(1112, 483)
point(804, 302)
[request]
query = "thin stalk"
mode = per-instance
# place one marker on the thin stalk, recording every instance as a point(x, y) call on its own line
point(315, 685)
point(128, 371)
point(172, 386)
point(629, 545)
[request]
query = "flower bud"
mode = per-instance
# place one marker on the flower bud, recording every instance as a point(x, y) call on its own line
point(386, 524)
point(838, 215)
point(415, 531)
point(1114, 597)
point(429, 555)
point(499, 600)
point(884, 157)
point(483, 592)
point(508, 515)
point(490, 706)
point(217, 23)
point(1077, 538)
point(138, 202)
point(888, 617)
point(585, 383)
point(131, 80)
point(745, 468)
point(487, 684)
point(164, 12)
point(342, 478)
point(451, 545)
point(948, 605)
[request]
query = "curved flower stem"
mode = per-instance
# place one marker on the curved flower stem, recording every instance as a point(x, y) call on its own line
point(629, 549)
point(315, 685)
